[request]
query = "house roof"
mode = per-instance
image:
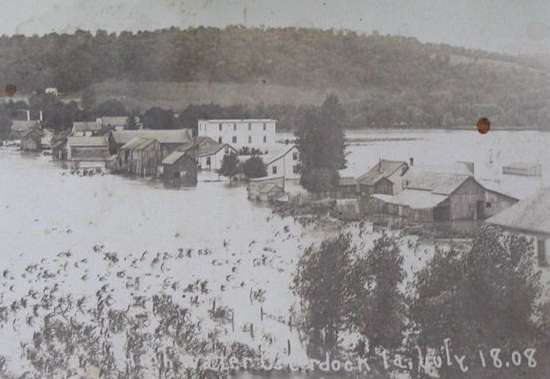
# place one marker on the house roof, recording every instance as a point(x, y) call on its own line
point(113, 120)
point(382, 169)
point(206, 146)
point(530, 215)
point(87, 141)
point(277, 153)
point(173, 157)
point(414, 199)
point(32, 132)
point(138, 143)
point(436, 182)
point(163, 136)
point(86, 126)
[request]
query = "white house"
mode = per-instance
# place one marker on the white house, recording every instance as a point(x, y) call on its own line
point(209, 154)
point(258, 133)
point(285, 163)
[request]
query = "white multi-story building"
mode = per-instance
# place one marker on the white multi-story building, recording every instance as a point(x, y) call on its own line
point(257, 133)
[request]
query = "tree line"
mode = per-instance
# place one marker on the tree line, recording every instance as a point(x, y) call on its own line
point(384, 81)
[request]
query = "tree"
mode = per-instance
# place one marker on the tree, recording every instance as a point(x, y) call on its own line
point(378, 306)
point(110, 107)
point(230, 166)
point(5, 124)
point(482, 299)
point(158, 118)
point(254, 167)
point(320, 140)
point(131, 123)
point(321, 282)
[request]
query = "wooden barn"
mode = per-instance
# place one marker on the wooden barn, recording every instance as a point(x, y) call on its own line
point(439, 197)
point(92, 151)
point(140, 156)
point(170, 140)
point(179, 169)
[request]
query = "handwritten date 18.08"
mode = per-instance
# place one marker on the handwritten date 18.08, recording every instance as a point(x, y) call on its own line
point(495, 358)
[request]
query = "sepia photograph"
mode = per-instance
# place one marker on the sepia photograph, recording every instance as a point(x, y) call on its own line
point(254, 189)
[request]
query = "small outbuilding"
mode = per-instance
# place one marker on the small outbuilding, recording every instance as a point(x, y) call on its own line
point(179, 169)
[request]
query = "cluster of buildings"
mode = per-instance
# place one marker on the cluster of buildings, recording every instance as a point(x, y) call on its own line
point(173, 155)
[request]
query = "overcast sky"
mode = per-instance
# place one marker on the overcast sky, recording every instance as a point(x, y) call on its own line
point(512, 26)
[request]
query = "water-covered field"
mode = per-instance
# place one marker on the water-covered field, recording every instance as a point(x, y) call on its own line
point(98, 252)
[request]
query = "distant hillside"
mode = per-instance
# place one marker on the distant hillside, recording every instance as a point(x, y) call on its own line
point(382, 80)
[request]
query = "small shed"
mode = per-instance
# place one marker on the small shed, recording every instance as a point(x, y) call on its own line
point(31, 140)
point(179, 169)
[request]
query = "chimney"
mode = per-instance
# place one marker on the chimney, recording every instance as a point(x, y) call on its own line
point(41, 115)
point(28, 115)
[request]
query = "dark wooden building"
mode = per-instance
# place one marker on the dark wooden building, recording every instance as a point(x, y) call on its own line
point(31, 140)
point(140, 156)
point(179, 169)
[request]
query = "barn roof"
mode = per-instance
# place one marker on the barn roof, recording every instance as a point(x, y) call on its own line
point(531, 214)
point(87, 141)
point(436, 182)
point(113, 120)
point(347, 181)
point(382, 169)
point(86, 126)
point(179, 136)
point(138, 143)
point(20, 126)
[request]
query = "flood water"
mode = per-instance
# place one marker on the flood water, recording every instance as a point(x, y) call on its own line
point(45, 211)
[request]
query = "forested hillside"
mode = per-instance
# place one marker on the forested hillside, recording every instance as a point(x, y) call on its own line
point(383, 81)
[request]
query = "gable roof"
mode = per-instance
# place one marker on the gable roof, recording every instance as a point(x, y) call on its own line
point(530, 215)
point(382, 169)
point(164, 136)
point(20, 126)
point(206, 146)
point(86, 126)
point(138, 143)
point(87, 141)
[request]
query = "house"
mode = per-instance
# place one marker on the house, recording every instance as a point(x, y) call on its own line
point(89, 151)
point(384, 178)
point(46, 139)
point(240, 132)
point(429, 196)
point(112, 122)
point(285, 163)
point(529, 217)
point(86, 129)
point(170, 140)
point(179, 169)
point(31, 140)
point(140, 156)
point(209, 154)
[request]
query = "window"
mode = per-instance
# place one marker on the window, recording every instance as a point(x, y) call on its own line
point(234, 139)
point(220, 140)
point(488, 205)
point(249, 139)
point(220, 127)
point(274, 170)
point(249, 126)
point(265, 139)
point(264, 126)
point(234, 127)
point(295, 169)
point(208, 162)
point(295, 156)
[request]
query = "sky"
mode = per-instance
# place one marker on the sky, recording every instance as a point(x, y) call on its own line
point(510, 26)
